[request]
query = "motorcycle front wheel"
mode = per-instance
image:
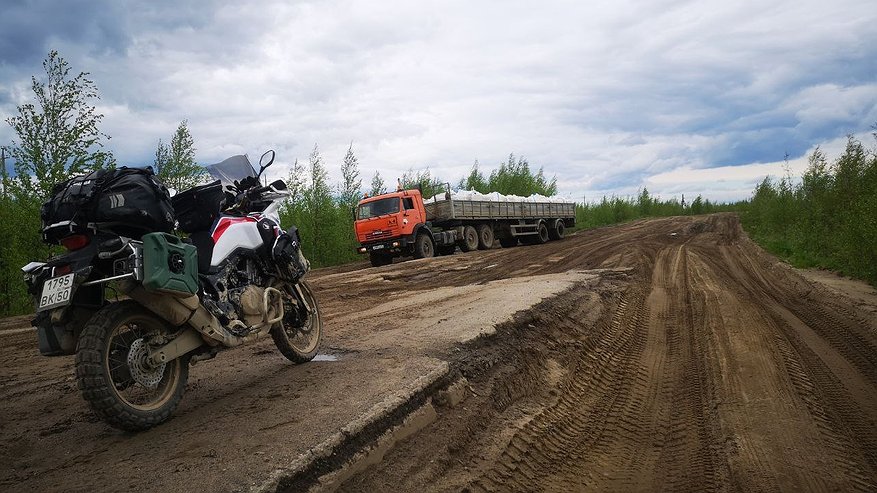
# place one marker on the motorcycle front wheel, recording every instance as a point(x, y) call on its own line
point(113, 372)
point(299, 334)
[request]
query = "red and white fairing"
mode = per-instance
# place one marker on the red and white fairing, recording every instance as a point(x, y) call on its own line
point(231, 233)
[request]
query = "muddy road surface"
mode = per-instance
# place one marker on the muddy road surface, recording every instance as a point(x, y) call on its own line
point(662, 355)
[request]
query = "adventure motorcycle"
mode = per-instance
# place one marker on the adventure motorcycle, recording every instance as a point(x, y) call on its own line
point(235, 279)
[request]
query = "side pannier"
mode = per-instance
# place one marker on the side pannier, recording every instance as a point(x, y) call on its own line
point(290, 261)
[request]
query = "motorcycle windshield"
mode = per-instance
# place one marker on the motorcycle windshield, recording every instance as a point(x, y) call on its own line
point(235, 168)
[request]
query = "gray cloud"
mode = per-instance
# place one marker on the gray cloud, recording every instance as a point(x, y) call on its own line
point(603, 94)
point(28, 29)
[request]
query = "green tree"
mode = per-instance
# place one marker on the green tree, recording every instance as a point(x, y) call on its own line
point(644, 202)
point(323, 221)
point(475, 180)
point(543, 186)
point(351, 186)
point(319, 208)
point(698, 206)
point(818, 215)
point(175, 163)
point(293, 212)
point(58, 135)
point(377, 185)
point(513, 177)
point(829, 219)
point(295, 182)
point(351, 192)
point(424, 180)
point(7, 253)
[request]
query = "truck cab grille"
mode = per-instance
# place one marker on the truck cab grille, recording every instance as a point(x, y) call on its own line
point(379, 234)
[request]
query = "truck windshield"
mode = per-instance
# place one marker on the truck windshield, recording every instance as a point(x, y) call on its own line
point(378, 208)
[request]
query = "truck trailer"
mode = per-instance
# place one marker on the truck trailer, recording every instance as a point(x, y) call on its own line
point(401, 223)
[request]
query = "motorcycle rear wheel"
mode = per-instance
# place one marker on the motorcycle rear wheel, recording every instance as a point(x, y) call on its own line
point(112, 373)
point(299, 335)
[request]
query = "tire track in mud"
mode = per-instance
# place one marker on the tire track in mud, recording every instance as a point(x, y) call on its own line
point(643, 382)
point(718, 369)
point(730, 330)
point(817, 382)
point(850, 442)
point(568, 429)
point(690, 460)
point(834, 322)
point(846, 428)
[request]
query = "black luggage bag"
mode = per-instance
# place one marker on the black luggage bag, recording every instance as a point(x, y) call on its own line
point(127, 201)
point(198, 207)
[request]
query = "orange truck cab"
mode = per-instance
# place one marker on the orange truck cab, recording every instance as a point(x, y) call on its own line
point(388, 225)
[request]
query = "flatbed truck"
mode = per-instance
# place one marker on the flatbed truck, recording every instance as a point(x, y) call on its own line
point(400, 223)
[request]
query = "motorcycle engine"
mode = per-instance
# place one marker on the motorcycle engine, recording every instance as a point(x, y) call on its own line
point(236, 294)
point(250, 305)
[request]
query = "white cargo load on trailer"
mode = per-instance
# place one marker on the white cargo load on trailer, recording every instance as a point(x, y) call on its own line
point(471, 205)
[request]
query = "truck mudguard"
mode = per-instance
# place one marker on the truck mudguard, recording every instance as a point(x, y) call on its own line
point(422, 227)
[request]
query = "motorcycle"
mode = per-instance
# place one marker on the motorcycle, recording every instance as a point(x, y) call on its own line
point(237, 278)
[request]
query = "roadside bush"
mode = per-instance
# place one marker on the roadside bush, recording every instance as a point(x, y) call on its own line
point(827, 220)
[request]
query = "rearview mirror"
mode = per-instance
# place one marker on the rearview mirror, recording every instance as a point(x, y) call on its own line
point(263, 162)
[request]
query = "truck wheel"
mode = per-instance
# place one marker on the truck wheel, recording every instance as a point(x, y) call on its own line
point(423, 247)
point(542, 237)
point(557, 231)
point(508, 242)
point(379, 259)
point(485, 237)
point(470, 239)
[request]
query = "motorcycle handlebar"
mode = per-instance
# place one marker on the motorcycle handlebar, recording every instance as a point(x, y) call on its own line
point(255, 192)
point(248, 191)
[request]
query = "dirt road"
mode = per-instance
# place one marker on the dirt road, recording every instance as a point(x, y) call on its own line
point(668, 354)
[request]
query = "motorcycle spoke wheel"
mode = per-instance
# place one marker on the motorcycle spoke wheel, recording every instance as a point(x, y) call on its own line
point(151, 388)
point(113, 372)
point(299, 335)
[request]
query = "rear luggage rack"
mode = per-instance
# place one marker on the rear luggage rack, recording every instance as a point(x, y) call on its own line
point(54, 232)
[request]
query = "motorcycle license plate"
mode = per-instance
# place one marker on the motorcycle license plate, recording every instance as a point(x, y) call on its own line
point(56, 292)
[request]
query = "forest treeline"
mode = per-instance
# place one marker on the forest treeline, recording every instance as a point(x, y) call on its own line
point(826, 219)
point(614, 210)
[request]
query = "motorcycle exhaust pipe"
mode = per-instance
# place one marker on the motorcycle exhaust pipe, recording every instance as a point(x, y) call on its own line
point(180, 311)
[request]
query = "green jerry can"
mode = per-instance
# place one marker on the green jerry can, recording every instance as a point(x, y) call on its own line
point(169, 265)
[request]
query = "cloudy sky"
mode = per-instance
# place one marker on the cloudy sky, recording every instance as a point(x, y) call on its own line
point(610, 96)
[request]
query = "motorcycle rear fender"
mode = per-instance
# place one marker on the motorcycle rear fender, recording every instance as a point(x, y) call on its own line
point(80, 262)
point(58, 330)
